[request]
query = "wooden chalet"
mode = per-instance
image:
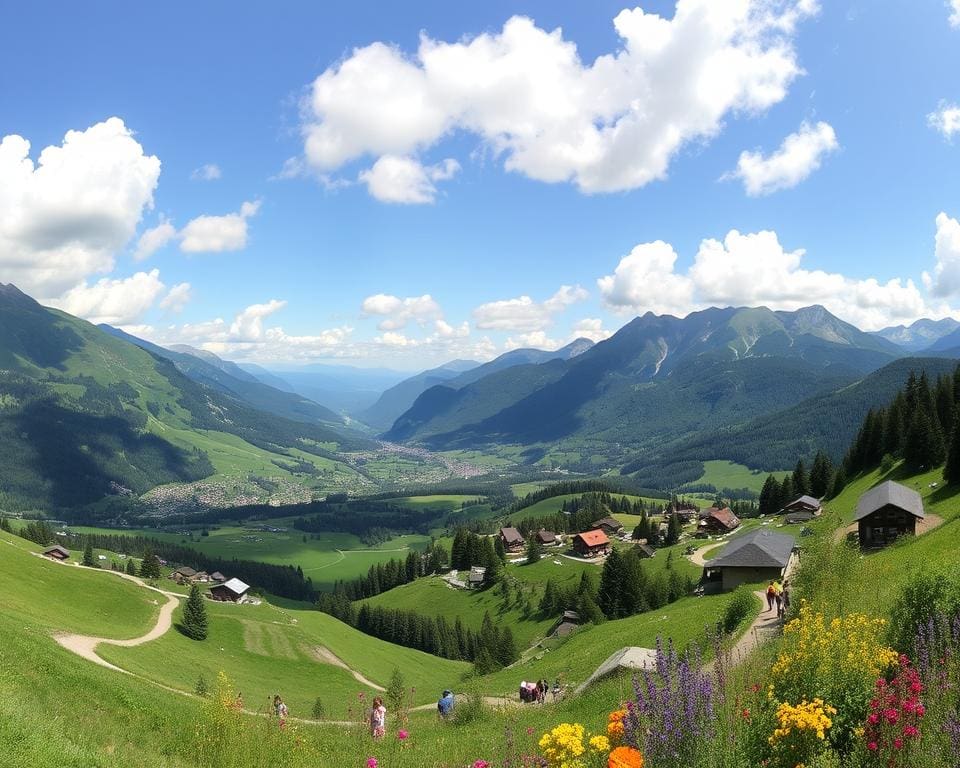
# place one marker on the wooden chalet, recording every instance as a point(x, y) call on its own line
point(609, 525)
point(887, 512)
point(719, 521)
point(591, 543)
point(232, 591)
point(547, 538)
point(644, 551)
point(56, 552)
point(476, 577)
point(802, 509)
point(217, 577)
point(685, 511)
point(567, 624)
point(754, 557)
point(184, 574)
point(512, 540)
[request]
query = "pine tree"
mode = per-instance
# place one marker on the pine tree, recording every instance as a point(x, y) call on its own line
point(673, 530)
point(533, 550)
point(88, 559)
point(194, 623)
point(396, 690)
point(150, 566)
point(769, 496)
point(506, 647)
point(786, 494)
point(611, 583)
point(201, 688)
point(951, 472)
point(131, 567)
point(924, 446)
point(801, 481)
point(319, 711)
point(548, 603)
point(839, 482)
point(820, 475)
point(5, 525)
point(500, 550)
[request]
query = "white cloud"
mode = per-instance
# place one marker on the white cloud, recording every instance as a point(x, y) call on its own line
point(208, 172)
point(65, 217)
point(394, 339)
point(614, 124)
point(590, 328)
point(152, 240)
point(177, 298)
point(215, 234)
point(946, 119)
point(396, 179)
point(532, 340)
point(955, 13)
point(799, 155)
point(751, 270)
point(946, 274)
point(397, 312)
point(116, 302)
point(523, 314)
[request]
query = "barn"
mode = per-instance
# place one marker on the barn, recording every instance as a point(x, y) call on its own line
point(591, 543)
point(512, 540)
point(887, 512)
point(757, 556)
point(232, 591)
point(719, 521)
point(56, 552)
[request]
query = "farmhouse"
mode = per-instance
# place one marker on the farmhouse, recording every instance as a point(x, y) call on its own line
point(512, 540)
point(547, 538)
point(609, 525)
point(802, 509)
point(887, 512)
point(56, 552)
point(183, 574)
point(719, 520)
point(754, 557)
point(476, 577)
point(591, 543)
point(686, 511)
point(644, 550)
point(217, 577)
point(233, 591)
point(568, 622)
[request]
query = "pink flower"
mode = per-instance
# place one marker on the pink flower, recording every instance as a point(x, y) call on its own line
point(911, 731)
point(872, 746)
point(371, 762)
point(402, 734)
point(897, 743)
point(891, 715)
point(920, 710)
point(873, 718)
point(481, 764)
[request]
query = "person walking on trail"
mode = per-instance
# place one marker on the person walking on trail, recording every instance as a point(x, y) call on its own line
point(784, 600)
point(280, 709)
point(445, 705)
point(556, 689)
point(771, 596)
point(378, 719)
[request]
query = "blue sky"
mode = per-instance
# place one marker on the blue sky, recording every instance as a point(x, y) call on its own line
point(398, 212)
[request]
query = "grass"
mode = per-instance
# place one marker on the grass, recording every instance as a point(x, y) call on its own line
point(727, 474)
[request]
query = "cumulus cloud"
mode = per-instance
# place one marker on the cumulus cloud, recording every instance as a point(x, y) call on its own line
point(208, 172)
point(751, 270)
point(64, 217)
point(954, 13)
point(945, 280)
point(116, 302)
point(532, 340)
point(177, 298)
point(397, 312)
point(523, 314)
point(396, 179)
point(613, 124)
point(799, 155)
point(590, 328)
point(946, 119)
point(216, 234)
point(152, 240)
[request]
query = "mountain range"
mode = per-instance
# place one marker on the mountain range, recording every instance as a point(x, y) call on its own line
point(923, 334)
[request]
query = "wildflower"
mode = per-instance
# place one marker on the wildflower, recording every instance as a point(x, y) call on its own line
point(600, 743)
point(480, 764)
point(625, 757)
point(402, 735)
point(371, 762)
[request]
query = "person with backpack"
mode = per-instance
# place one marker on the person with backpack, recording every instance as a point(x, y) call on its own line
point(378, 719)
point(771, 596)
point(445, 705)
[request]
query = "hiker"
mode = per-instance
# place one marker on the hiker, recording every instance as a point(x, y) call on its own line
point(542, 687)
point(238, 704)
point(556, 689)
point(771, 596)
point(784, 600)
point(378, 719)
point(445, 705)
point(281, 710)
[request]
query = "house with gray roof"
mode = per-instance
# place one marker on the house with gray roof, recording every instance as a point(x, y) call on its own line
point(887, 512)
point(801, 509)
point(755, 557)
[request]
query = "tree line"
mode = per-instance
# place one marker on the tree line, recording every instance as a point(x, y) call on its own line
point(822, 481)
point(382, 577)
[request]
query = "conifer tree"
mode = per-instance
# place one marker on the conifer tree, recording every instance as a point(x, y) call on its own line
point(548, 603)
point(195, 615)
point(500, 549)
point(611, 582)
point(396, 690)
point(150, 566)
point(131, 567)
point(673, 529)
point(820, 475)
point(839, 482)
point(506, 647)
point(786, 494)
point(801, 481)
point(533, 550)
point(951, 472)
point(769, 496)
point(88, 559)
point(5, 525)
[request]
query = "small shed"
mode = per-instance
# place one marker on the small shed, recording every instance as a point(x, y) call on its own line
point(609, 525)
point(476, 577)
point(184, 573)
point(644, 550)
point(719, 520)
point(512, 540)
point(567, 624)
point(217, 577)
point(232, 591)
point(546, 538)
point(591, 543)
point(754, 557)
point(887, 512)
point(56, 552)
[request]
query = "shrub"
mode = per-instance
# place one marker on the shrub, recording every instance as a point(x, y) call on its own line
point(741, 605)
point(926, 595)
point(318, 712)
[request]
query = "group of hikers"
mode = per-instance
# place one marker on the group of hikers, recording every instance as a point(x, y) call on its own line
point(778, 597)
point(530, 692)
point(378, 713)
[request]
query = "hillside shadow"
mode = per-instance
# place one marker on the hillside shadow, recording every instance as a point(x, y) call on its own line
point(33, 333)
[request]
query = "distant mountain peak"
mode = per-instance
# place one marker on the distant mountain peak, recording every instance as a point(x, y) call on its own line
point(921, 334)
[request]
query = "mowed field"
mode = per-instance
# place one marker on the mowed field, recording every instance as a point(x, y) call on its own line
point(726, 474)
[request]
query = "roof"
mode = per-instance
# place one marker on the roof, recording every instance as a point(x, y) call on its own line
point(186, 571)
point(477, 573)
point(723, 516)
point(806, 501)
point(893, 494)
point(546, 536)
point(57, 548)
point(511, 535)
point(234, 585)
point(593, 538)
point(607, 522)
point(646, 549)
point(217, 575)
point(757, 549)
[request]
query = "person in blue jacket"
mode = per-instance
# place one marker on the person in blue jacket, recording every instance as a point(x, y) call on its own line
point(445, 705)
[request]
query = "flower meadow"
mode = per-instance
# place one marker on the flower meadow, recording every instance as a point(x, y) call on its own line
point(829, 693)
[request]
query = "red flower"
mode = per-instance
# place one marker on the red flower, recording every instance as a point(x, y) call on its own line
point(872, 746)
